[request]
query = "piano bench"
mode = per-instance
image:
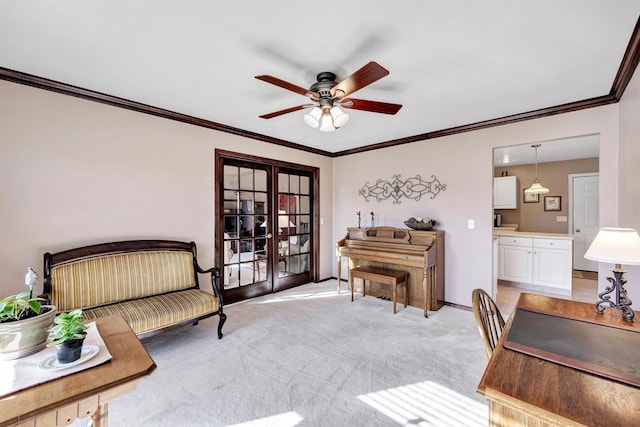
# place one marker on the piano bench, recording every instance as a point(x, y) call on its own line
point(380, 275)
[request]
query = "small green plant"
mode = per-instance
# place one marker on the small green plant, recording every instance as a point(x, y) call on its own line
point(67, 327)
point(19, 307)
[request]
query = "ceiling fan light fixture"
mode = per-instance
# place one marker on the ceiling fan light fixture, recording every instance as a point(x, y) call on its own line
point(327, 94)
point(312, 118)
point(326, 122)
point(340, 118)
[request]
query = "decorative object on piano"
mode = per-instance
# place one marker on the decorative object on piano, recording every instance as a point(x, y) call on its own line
point(420, 223)
point(372, 219)
point(358, 213)
point(617, 246)
point(412, 188)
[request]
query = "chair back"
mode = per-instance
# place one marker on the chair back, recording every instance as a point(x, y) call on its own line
point(490, 321)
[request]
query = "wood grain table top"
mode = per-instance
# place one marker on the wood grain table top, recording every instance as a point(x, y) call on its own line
point(130, 361)
point(555, 393)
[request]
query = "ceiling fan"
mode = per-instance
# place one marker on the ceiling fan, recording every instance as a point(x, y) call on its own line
point(327, 96)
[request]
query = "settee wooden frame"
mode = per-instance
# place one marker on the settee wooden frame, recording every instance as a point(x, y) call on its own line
point(124, 247)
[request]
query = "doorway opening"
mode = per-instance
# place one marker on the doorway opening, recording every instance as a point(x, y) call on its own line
point(547, 215)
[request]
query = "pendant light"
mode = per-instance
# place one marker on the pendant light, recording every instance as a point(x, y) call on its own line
point(536, 187)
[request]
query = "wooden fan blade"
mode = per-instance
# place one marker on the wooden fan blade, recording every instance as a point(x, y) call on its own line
point(288, 110)
point(372, 106)
point(361, 78)
point(286, 85)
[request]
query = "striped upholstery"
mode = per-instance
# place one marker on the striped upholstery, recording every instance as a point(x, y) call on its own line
point(156, 312)
point(110, 279)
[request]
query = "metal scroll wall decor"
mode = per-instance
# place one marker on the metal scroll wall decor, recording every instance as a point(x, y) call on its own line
point(412, 188)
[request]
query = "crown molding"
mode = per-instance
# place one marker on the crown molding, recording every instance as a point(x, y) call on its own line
point(628, 66)
point(103, 98)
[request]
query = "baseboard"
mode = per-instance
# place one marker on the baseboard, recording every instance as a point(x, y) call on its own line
point(460, 306)
point(450, 304)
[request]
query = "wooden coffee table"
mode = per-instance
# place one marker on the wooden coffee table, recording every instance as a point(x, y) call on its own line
point(86, 393)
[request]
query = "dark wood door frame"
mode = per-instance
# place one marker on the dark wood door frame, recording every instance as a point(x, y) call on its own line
point(278, 283)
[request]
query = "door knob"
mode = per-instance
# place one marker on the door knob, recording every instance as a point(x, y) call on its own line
point(269, 236)
point(577, 230)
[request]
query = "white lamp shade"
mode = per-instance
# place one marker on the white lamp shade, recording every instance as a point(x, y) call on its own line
point(340, 118)
point(536, 188)
point(615, 246)
point(313, 117)
point(283, 220)
point(326, 123)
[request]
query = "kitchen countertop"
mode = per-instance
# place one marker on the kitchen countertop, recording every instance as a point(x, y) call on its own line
point(507, 227)
point(531, 234)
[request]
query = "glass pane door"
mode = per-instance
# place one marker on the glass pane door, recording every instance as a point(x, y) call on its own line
point(246, 229)
point(294, 200)
point(265, 228)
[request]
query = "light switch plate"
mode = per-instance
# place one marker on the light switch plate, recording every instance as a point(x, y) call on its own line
point(471, 224)
point(561, 219)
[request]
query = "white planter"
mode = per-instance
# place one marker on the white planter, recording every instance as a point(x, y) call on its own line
point(24, 337)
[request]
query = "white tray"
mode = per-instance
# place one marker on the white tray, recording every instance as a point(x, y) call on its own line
point(51, 363)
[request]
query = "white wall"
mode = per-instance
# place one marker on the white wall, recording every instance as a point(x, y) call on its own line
point(464, 163)
point(629, 179)
point(75, 172)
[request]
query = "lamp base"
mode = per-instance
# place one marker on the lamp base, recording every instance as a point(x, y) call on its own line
point(622, 302)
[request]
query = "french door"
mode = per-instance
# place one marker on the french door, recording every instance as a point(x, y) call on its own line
point(265, 228)
point(293, 226)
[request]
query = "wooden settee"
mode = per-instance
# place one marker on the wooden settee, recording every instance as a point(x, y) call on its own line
point(153, 284)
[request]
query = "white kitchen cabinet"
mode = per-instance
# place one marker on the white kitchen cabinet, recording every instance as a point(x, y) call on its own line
point(515, 259)
point(552, 260)
point(544, 262)
point(505, 192)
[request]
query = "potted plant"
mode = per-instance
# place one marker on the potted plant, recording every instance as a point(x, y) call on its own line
point(24, 322)
point(68, 334)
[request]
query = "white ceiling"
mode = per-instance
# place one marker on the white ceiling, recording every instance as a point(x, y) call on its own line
point(582, 147)
point(451, 63)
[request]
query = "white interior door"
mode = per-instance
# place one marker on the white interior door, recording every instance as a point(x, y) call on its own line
point(585, 217)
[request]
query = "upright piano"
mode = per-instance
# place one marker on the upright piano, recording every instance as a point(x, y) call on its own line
point(418, 252)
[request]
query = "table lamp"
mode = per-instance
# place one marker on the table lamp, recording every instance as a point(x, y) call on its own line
point(283, 220)
point(617, 246)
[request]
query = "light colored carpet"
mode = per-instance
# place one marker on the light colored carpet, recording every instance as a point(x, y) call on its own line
point(311, 357)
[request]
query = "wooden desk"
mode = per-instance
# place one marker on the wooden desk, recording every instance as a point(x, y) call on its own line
point(86, 393)
point(524, 390)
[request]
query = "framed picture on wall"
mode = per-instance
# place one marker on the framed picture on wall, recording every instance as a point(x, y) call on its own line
point(552, 203)
point(530, 198)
